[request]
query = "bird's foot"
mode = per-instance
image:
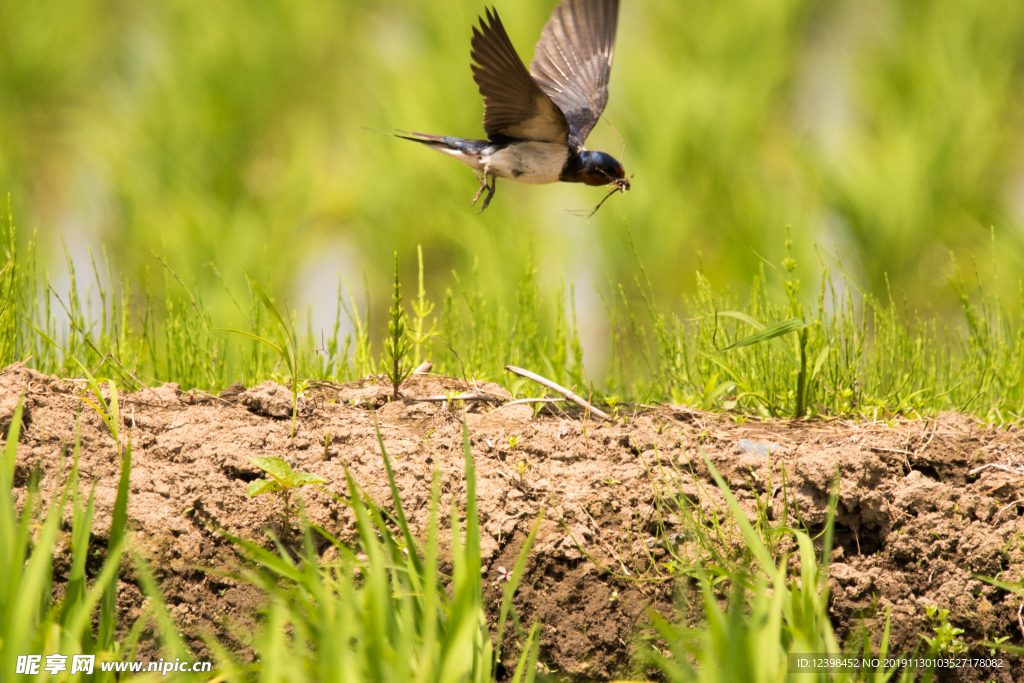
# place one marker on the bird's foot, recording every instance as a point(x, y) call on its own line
point(490, 194)
point(483, 186)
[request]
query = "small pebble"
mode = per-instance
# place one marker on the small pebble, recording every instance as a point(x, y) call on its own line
point(755, 447)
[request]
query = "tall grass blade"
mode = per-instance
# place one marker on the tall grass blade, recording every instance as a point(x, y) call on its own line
point(118, 525)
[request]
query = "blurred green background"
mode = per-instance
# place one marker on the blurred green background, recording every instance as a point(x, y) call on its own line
point(228, 134)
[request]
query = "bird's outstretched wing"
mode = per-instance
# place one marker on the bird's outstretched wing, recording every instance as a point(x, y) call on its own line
point(573, 59)
point(514, 104)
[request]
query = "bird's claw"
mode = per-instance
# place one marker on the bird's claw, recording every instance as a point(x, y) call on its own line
point(484, 185)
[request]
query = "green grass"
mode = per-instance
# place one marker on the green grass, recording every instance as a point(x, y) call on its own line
point(384, 611)
point(771, 615)
point(839, 351)
point(786, 350)
point(84, 620)
point(233, 133)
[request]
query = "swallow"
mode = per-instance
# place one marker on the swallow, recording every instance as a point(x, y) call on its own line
point(537, 121)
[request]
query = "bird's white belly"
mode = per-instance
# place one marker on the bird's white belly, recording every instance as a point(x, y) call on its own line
point(536, 163)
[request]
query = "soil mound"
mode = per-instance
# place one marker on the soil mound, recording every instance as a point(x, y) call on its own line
point(922, 504)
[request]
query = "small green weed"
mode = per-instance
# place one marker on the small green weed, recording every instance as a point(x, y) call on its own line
point(422, 308)
point(996, 643)
point(109, 412)
point(327, 445)
point(283, 481)
point(612, 401)
point(945, 640)
point(521, 468)
point(397, 345)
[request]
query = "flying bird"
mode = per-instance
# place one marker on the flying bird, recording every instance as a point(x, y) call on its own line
point(537, 121)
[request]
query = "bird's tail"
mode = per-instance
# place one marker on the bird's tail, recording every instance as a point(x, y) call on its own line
point(425, 138)
point(444, 143)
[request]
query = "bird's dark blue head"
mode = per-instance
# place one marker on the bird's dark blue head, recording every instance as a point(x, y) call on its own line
point(600, 168)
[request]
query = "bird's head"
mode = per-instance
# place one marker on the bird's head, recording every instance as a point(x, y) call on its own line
point(600, 168)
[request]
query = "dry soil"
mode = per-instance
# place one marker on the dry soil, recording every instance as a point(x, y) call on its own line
point(915, 517)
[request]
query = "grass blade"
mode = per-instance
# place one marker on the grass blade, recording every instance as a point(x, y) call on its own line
point(769, 333)
point(118, 524)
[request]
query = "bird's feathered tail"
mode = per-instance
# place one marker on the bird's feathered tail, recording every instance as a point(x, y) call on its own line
point(465, 150)
point(444, 143)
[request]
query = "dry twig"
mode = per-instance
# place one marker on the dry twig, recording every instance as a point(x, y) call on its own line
point(532, 400)
point(1018, 471)
point(879, 449)
point(617, 185)
point(557, 388)
point(1007, 507)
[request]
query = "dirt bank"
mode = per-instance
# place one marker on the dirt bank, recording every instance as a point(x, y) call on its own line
point(912, 522)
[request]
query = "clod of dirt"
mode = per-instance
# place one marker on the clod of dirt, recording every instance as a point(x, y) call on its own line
point(15, 382)
point(167, 395)
point(365, 394)
point(270, 399)
point(232, 393)
point(7, 407)
point(911, 524)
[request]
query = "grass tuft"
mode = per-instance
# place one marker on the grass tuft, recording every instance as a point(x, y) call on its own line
point(846, 352)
